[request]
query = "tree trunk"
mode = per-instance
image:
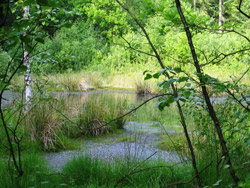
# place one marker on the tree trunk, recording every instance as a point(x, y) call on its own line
point(26, 62)
point(211, 110)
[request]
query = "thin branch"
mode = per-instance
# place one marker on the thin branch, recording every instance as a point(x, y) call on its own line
point(188, 183)
point(241, 11)
point(130, 47)
point(224, 30)
point(242, 75)
point(144, 31)
point(224, 57)
point(237, 100)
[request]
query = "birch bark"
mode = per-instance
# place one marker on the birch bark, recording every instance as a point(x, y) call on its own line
point(26, 62)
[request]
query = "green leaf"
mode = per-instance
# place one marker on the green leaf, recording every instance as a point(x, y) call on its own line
point(163, 71)
point(161, 83)
point(156, 75)
point(27, 40)
point(226, 166)
point(176, 98)
point(217, 183)
point(161, 105)
point(148, 76)
point(170, 100)
point(183, 99)
point(168, 83)
point(187, 94)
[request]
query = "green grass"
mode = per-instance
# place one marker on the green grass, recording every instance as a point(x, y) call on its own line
point(87, 172)
point(36, 173)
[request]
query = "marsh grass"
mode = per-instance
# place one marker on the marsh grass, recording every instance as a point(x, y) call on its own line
point(43, 124)
point(94, 114)
point(57, 123)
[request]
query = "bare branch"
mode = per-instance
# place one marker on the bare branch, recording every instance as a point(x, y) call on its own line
point(241, 11)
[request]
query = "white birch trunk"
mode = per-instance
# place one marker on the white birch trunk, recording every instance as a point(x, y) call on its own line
point(194, 1)
point(26, 62)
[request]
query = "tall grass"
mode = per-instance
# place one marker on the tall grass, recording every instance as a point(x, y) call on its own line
point(89, 172)
point(94, 114)
point(56, 121)
point(44, 125)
